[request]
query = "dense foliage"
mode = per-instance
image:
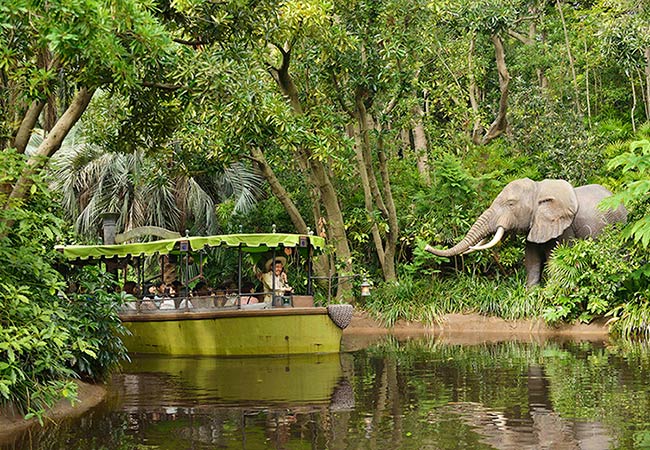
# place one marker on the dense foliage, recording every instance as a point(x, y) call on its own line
point(47, 337)
point(382, 125)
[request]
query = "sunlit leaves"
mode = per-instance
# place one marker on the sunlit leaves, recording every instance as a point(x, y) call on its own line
point(485, 16)
point(636, 192)
point(625, 33)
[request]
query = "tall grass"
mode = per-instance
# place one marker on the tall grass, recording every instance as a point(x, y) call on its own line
point(428, 300)
point(632, 319)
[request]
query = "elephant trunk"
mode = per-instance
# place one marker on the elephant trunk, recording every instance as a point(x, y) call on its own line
point(481, 228)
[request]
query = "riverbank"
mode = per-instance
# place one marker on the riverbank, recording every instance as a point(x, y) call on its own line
point(88, 395)
point(469, 329)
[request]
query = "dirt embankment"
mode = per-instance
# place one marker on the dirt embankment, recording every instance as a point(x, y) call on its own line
point(470, 329)
point(89, 395)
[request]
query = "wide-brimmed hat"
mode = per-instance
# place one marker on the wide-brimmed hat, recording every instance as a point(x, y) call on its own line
point(281, 259)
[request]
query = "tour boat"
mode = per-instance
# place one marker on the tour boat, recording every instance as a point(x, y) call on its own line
point(218, 324)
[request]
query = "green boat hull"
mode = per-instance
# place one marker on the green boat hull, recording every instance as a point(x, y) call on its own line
point(281, 331)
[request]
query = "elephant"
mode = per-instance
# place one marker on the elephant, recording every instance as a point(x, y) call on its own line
point(549, 211)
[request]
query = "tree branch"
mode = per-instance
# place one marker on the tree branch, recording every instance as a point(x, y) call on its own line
point(27, 125)
point(339, 97)
point(195, 43)
point(520, 37)
point(50, 144)
point(164, 86)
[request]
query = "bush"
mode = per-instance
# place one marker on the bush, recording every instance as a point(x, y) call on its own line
point(405, 299)
point(46, 338)
point(95, 326)
point(588, 278)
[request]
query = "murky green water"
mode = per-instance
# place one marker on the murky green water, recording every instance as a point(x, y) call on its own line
point(416, 394)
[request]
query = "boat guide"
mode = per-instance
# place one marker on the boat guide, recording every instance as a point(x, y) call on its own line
point(255, 313)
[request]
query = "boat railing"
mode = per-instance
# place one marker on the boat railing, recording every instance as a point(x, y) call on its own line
point(226, 302)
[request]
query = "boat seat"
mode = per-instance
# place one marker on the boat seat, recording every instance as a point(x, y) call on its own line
point(303, 301)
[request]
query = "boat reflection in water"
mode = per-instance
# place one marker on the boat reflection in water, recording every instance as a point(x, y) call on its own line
point(408, 394)
point(220, 401)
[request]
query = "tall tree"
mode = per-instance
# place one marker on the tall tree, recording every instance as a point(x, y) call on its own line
point(54, 58)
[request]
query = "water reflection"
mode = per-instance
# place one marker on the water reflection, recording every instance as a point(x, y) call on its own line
point(419, 393)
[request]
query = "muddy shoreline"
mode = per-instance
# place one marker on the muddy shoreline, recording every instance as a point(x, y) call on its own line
point(89, 395)
point(467, 329)
point(470, 329)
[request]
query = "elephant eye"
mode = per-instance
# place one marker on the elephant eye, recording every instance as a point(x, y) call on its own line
point(545, 200)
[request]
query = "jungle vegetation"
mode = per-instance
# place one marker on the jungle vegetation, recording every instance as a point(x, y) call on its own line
point(382, 125)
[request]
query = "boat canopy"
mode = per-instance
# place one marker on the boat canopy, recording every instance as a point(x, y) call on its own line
point(252, 243)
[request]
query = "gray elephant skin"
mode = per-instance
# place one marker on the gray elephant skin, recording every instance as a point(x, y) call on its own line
point(549, 211)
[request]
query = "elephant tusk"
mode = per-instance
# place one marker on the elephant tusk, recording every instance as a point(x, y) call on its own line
point(495, 240)
point(475, 247)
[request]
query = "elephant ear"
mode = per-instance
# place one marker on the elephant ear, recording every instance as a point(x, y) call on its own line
point(556, 207)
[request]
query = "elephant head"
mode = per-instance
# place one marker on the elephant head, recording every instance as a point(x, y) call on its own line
point(543, 209)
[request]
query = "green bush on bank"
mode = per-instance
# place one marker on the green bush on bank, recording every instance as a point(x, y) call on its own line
point(47, 338)
point(584, 280)
point(587, 278)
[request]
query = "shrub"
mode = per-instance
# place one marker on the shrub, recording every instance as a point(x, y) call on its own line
point(588, 278)
point(95, 326)
point(405, 299)
point(46, 338)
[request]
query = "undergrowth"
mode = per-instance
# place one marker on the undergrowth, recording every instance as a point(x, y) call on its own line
point(428, 300)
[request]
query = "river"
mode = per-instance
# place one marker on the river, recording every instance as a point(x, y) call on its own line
point(412, 393)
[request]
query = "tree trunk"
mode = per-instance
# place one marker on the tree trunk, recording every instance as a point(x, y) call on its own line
point(50, 144)
point(364, 128)
point(500, 124)
point(405, 137)
point(28, 123)
point(587, 91)
point(367, 195)
point(393, 226)
point(647, 83)
point(318, 177)
point(477, 128)
point(570, 56)
point(632, 110)
point(382, 202)
point(420, 144)
point(279, 191)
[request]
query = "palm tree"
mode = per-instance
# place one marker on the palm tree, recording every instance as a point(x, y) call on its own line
point(92, 181)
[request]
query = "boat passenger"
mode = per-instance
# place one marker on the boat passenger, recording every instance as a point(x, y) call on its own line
point(275, 279)
point(230, 289)
point(162, 290)
point(147, 303)
point(176, 289)
point(201, 289)
point(248, 296)
point(150, 292)
point(130, 287)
